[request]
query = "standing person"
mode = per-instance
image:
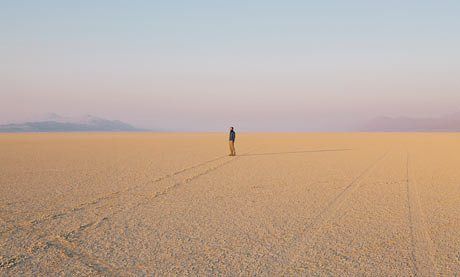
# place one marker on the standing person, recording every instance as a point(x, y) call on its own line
point(232, 142)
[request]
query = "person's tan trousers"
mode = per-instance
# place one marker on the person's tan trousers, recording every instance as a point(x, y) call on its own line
point(232, 148)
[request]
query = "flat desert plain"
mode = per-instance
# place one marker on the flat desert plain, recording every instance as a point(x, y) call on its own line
point(175, 204)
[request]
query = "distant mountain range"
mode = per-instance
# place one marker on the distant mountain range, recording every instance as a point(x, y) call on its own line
point(88, 123)
point(448, 123)
point(56, 123)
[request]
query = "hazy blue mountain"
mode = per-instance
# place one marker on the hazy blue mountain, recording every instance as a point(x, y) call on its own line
point(57, 123)
point(448, 123)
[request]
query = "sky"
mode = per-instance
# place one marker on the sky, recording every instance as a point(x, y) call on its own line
point(206, 65)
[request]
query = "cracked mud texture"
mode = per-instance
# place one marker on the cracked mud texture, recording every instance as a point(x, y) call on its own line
point(288, 204)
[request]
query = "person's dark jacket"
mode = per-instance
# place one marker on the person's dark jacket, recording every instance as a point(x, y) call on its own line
point(232, 135)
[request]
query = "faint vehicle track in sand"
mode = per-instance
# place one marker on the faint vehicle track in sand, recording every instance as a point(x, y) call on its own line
point(332, 207)
point(176, 184)
point(117, 194)
point(423, 250)
point(269, 218)
point(26, 224)
point(90, 174)
point(113, 195)
point(72, 251)
point(63, 241)
point(193, 177)
point(183, 181)
point(75, 234)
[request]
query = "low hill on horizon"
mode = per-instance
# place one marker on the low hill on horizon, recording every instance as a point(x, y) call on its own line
point(448, 123)
point(56, 123)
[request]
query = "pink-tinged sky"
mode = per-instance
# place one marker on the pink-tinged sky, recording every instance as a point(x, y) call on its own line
point(205, 65)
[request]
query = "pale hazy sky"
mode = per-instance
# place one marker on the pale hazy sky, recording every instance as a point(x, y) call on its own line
point(205, 65)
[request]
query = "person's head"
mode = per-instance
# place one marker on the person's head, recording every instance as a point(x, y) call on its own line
point(231, 128)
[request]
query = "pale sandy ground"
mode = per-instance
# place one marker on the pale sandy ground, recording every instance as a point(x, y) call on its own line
point(175, 204)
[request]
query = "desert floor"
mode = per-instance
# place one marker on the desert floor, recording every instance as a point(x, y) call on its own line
point(288, 204)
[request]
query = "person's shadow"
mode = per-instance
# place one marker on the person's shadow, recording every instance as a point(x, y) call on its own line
point(298, 152)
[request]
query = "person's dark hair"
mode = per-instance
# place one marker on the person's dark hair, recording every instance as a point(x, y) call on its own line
point(231, 128)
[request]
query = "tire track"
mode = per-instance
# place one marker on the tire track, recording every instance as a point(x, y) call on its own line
point(190, 179)
point(75, 182)
point(10, 227)
point(175, 185)
point(47, 216)
point(117, 194)
point(110, 196)
point(423, 250)
point(145, 200)
point(72, 251)
point(333, 206)
point(64, 242)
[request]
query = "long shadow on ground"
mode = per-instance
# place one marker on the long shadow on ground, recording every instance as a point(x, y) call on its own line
point(297, 152)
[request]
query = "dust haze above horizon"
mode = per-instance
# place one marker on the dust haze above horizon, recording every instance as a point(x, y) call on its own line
point(207, 65)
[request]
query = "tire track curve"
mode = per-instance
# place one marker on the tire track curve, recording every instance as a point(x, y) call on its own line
point(147, 199)
point(72, 251)
point(423, 250)
point(312, 229)
point(109, 196)
point(107, 208)
point(64, 240)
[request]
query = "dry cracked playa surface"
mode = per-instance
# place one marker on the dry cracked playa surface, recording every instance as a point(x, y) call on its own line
point(176, 204)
